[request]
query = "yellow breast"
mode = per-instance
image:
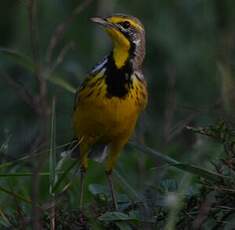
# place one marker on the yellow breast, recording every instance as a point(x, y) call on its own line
point(101, 118)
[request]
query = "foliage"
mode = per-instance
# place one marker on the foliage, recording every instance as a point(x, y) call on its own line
point(177, 172)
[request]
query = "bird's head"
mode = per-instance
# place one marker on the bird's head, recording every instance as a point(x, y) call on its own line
point(128, 36)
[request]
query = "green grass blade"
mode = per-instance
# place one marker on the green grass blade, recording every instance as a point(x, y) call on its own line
point(10, 163)
point(18, 58)
point(52, 157)
point(25, 62)
point(25, 174)
point(154, 153)
point(26, 200)
point(131, 190)
point(29, 156)
point(182, 166)
point(4, 219)
point(116, 216)
point(52, 164)
point(201, 172)
point(60, 180)
point(62, 83)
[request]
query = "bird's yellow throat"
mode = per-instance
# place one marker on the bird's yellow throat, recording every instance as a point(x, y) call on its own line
point(121, 47)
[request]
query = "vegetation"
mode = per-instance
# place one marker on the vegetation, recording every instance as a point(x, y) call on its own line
point(178, 172)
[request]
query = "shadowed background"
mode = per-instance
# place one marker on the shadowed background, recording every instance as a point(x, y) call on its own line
point(189, 68)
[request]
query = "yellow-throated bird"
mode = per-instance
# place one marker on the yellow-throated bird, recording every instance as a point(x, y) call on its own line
point(112, 96)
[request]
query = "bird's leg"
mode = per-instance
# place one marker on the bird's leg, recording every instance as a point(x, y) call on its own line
point(114, 150)
point(83, 169)
point(113, 194)
point(82, 178)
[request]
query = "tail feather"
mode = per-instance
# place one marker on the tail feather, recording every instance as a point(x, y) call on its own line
point(97, 152)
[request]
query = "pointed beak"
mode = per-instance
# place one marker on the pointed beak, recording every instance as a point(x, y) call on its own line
point(102, 22)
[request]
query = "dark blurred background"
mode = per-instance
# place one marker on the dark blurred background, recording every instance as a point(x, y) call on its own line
point(189, 67)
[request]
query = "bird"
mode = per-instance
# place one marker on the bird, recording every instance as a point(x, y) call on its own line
point(110, 99)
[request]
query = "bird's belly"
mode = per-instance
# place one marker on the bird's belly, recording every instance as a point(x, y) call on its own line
point(106, 119)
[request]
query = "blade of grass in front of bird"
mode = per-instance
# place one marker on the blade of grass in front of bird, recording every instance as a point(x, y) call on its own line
point(29, 156)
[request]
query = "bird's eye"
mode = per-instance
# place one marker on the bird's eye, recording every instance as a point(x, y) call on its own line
point(125, 24)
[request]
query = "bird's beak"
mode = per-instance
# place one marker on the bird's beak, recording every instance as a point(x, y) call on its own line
point(102, 22)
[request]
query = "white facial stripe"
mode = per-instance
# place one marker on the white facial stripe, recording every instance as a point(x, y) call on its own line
point(137, 42)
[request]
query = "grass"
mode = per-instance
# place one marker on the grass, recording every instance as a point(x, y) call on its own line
point(154, 189)
point(163, 205)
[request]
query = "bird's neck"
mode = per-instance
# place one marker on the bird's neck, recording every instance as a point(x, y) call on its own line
point(128, 55)
point(121, 54)
point(118, 80)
